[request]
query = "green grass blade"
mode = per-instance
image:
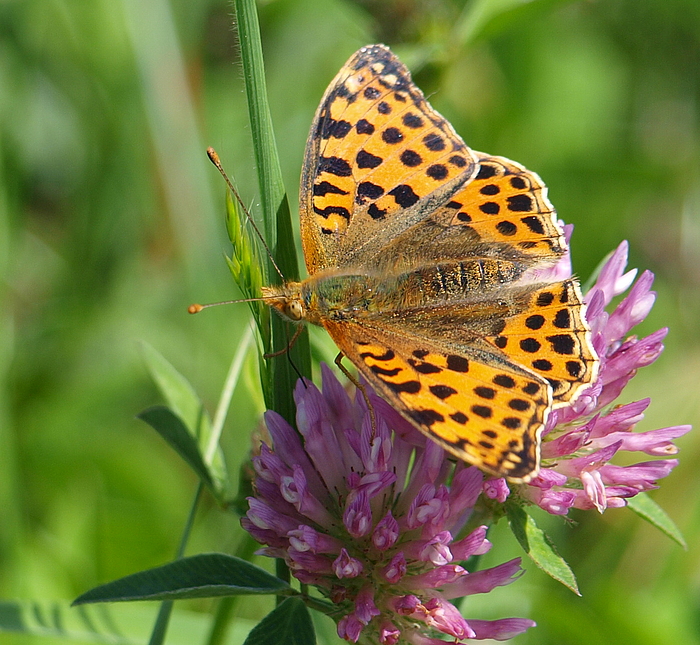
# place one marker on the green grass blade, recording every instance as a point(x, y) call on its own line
point(280, 376)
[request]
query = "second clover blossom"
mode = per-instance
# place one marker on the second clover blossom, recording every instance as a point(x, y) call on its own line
point(580, 440)
point(371, 519)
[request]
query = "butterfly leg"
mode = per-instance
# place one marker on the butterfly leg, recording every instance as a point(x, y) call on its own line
point(363, 390)
point(289, 346)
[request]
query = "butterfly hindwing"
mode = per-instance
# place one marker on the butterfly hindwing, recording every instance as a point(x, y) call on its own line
point(479, 408)
point(550, 337)
point(378, 159)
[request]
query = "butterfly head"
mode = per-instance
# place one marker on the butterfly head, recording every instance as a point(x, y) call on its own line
point(287, 300)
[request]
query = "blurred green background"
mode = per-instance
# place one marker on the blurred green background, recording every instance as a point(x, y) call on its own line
point(112, 222)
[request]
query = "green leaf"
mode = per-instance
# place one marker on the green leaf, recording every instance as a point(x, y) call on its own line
point(288, 624)
point(190, 411)
point(206, 575)
point(177, 392)
point(539, 547)
point(169, 426)
point(647, 508)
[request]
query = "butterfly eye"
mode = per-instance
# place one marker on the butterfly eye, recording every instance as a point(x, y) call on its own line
point(294, 310)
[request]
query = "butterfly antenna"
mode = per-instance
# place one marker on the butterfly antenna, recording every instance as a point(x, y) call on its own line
point(196, 308)
point(214, 158)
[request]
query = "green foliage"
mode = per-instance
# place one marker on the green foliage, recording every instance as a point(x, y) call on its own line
point(288, 624)
point(540, 547)
point(649, 510)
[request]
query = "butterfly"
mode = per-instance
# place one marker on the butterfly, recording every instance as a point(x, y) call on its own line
point(422, 257)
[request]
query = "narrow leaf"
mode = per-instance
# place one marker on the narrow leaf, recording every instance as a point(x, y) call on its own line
point(177, 391)
point(539, 547)
point(201, 576)
point(169, 426)
point(484, 18)
point(288, 624)
point(187, 406)
point(278, 375)
point(647, 508)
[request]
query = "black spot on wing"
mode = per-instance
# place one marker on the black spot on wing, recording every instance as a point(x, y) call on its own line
point(366, 159)
point(427, 417)
point(533, 223)
point(562, 343)
point(404, 196)
point(385, 372)
point(334, 166)
point(369, 190)
point(437, 171)
point(442, 391)
point(534, 322)
point(424, 367)
point(324, 188)
point(410, 158)
point(363, 126)
point(562, 319)
point(459, 417)
point(530, 345)
point(483, 411)
point(387, 356)
point(504, 381)
point(519, 404)
point(332, 210)
point(486, 172)
point(392, 135)
point(506, 228)
point(375, 212)
point(409, 387)
point(512, 423)
point(434, 142)
point(336, 129)
point(490, 208)
point(411, 120)
point(457, 363)
point(519, 203)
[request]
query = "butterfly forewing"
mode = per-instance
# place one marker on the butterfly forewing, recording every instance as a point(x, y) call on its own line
point(378, 159)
